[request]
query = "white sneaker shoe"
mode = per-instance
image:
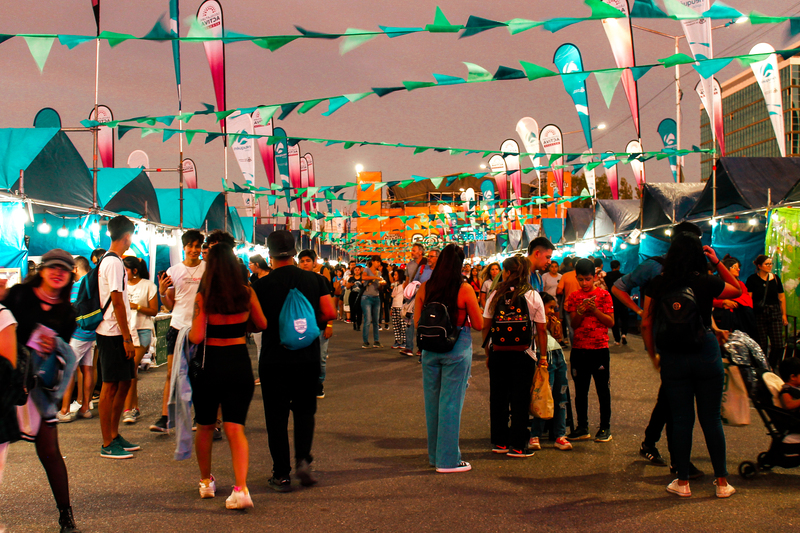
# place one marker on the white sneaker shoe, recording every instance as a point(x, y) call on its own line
point(64, 418)
point(463, 466)
point(681, 490)
point(724, 492)
point(239, 499)
point(208, 489)
point(533, 443)
point(74, 406)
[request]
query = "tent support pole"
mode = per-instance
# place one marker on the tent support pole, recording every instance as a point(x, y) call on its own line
point(96, 128)
point(714, 189)
point(679, 159)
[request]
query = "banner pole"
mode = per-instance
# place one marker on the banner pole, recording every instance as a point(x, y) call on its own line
point(95, 129)
point(180, 166)
point(679, 159)
point(225, 159)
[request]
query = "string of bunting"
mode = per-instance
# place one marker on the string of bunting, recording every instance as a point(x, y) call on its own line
point(40, 44)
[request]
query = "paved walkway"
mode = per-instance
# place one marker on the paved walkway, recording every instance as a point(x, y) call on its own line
point(371, 459)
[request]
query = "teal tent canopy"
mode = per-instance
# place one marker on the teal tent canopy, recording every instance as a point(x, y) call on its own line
point(199, 207)
point(54, 170)
point(127, 191)
point(235, 227)
point(13, 252)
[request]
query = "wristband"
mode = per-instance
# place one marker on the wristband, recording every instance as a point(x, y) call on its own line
point(329, 326)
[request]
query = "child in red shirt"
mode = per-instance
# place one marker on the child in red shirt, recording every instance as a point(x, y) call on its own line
point(591, 314)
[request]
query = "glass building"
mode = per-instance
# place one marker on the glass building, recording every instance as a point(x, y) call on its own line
point(748, 130)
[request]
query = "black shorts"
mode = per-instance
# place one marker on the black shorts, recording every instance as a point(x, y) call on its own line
point(114, 366)
point(226, 380)
point(172, 337)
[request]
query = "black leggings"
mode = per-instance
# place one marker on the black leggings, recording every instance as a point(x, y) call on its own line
point(227, 381)
point(355, 308)
point(53, 462)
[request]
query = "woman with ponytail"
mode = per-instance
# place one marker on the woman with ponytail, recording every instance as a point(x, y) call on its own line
point(142, 294)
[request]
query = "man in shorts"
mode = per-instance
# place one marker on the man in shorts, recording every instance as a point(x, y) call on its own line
point(114, 341)
point(178, 287)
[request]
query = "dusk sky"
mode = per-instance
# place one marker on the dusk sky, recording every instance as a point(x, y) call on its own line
point(137, 78)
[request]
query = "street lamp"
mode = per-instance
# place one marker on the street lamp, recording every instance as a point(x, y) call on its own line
point(678, 92)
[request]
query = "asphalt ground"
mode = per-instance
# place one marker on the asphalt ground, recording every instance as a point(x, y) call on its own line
point(371, 461)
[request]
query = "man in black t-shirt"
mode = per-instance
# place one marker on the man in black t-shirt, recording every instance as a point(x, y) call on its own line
point(620, 329)
point(290, 378)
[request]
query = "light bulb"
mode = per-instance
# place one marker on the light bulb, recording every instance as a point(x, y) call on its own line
point(668, 232)
point(623, 246)
point(753, 221)
point(63, 231)
point(79, 233)
point(714, 222)
point(94, 227)
point(44, 227)
point(20, 215)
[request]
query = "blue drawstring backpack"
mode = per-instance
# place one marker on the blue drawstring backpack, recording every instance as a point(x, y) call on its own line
point(297, 323)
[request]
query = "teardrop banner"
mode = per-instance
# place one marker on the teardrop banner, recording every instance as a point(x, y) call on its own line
point(301, 204)
point(47, 117)
point(497, 165)
point(568, 61)
point(209, 15)
point(293, 153)
point(718, 129)
point(612, 177)
point(668, 131)
point(768, 78)
point(312, 182)
point(635, 147)
point(139, 159)
point(189, 174)
point(105, 135)
point(553, 143)
point(528, 131)
point(510, 150)
point(589, 174)
point(620, 38)
point(266, 150)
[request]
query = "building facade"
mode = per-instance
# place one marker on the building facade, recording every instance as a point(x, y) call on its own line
point(748, 130)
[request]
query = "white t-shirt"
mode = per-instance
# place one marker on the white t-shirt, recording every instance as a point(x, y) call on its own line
point(397, 295)
point(6, 317)
point(486, 286)
point(550, 283)
point(535, 307)
point(111, 277)
point(185, 281)
point(141, 293)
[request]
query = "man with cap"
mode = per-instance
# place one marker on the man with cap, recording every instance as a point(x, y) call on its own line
point(290, 377)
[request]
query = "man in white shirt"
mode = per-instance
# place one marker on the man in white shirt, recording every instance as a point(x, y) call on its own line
point(114, 342)
point(178, 287)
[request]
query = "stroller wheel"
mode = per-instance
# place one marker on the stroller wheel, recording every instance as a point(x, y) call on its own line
point(747, 470)
point(763, 461)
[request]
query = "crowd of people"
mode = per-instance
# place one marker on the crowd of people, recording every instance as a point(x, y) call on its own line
point(97, 322)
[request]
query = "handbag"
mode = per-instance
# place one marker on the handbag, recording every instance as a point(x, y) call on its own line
point(735, 402)
point(24, 380)
point(542, 405)
point(198, 363)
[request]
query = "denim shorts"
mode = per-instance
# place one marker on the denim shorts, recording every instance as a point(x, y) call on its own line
point(145, 337)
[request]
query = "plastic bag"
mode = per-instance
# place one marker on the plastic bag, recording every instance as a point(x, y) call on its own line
point(541, 394)
point(735, 402)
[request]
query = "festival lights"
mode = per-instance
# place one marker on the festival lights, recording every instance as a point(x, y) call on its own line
point(44, 227)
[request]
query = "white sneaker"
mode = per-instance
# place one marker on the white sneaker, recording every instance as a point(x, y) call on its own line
point(239, 499)
point(208, 489)
point(681, 490)
point(74, 406)
point(533, 444)
point(64, 418)
point(463, 466)
point(724, 492)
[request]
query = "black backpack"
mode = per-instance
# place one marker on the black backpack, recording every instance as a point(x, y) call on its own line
point(511, 324)
point(679, 326)
point(435, 330)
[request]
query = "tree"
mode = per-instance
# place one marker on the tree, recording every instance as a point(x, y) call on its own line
point(626, 191)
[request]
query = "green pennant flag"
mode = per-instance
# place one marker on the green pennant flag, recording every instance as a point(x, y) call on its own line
point(276, 42)
point(676, 59)
point(441, 24)
point(518, 25)
point(420, 149)
point(355, 38)
point(533, 71)
point(406, 183)
point(308, 105)
point(115, 38)
point(40, 49)
point(411, 85)
point(757, 18)
point(437, 182)
point(189, 135)
point(601, 10)
point(608, 81)
point(477, 73)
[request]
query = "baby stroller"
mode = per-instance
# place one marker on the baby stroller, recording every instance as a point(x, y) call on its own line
point(763, 386)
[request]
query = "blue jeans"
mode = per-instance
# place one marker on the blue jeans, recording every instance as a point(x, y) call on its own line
point(371, 307)
point(690, 377)
point(323, 355)
point(444, 380)
point(410, 336)
point(557, 367)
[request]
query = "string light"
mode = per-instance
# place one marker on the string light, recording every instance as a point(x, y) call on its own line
point(63, 231)
point(44, 227)
point(79, 233)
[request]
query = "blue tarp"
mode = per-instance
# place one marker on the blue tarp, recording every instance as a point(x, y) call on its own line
point(652, 247)
point(18, 148)
point(553, 228)
point(247, 226)
point(628, 258)
point(196, 204)
point(13, 253)
point(744, 242)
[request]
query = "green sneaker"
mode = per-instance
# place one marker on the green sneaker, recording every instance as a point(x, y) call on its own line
point(114, 451)
point(125, 445)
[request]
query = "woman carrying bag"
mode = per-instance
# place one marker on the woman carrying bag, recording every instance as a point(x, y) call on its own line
point(43, 313)
point(769, 305)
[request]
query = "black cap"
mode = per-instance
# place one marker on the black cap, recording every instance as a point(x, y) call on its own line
point(281, 244)
point(58, 258)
